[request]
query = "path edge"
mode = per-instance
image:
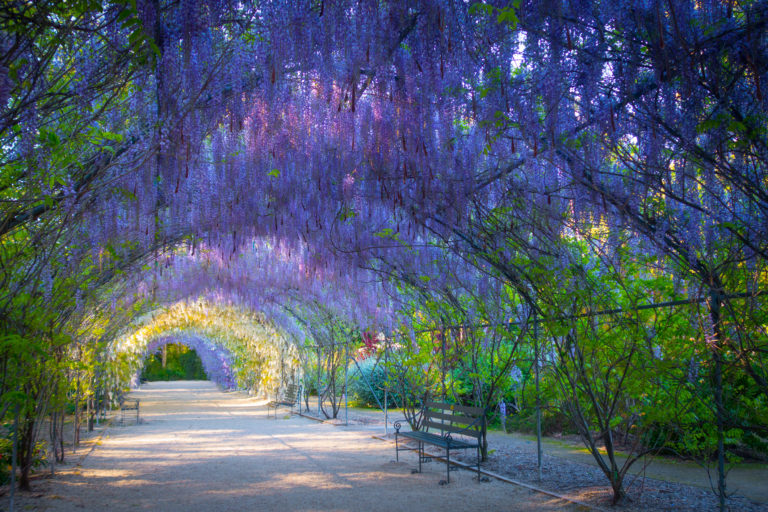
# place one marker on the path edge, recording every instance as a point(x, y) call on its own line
point(508, 480)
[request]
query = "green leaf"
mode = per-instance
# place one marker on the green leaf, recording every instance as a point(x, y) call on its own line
point(509, 16)
point(275, 173)
point(53, 139)
point(480, 9)
point(117, 137)
point(707, 125)
point(125, 14)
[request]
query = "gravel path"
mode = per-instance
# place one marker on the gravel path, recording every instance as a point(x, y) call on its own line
point(200, 449)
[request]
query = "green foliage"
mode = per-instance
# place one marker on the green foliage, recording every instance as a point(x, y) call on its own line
point(553, 422)
point(182, 363)
point(372, 395)
point(39, 457)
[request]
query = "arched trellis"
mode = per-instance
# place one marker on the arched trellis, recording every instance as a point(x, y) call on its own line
point(217, 360)
point(263, 278)
point(260, 357)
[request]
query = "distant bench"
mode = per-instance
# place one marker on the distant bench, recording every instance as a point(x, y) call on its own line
point(289, 398)
point(129, 405)
point(468, 423)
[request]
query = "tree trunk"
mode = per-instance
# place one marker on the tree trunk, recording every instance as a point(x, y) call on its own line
point(616, 477)
point(26, 450)
point(76, 420)
point(89, 413)
point(14, 455)
point(319, 372)
point(62, 419)
point(52, 436)
point(717, 377)
point(617, 486)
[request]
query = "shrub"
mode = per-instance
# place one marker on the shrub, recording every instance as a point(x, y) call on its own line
point(359, 391)
point(552, 422)
point(39, 458)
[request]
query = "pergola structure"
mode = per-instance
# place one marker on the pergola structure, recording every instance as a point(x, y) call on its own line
point(266, 180)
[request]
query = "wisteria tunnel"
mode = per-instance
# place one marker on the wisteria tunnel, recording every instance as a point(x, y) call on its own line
point(553, 211)
point(238, 349)
point(216, 360)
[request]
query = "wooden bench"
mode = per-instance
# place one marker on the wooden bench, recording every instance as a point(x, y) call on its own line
point(289, 398)
point(129, 405)
point(461, 428)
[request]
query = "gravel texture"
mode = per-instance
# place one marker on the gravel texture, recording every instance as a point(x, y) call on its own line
point(516, 459)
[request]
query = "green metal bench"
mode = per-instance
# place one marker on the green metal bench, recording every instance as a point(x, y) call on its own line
point(461, 428)
point(289, 398)
point(127, 406)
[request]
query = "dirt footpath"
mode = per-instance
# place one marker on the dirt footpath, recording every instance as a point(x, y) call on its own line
point(198, 449)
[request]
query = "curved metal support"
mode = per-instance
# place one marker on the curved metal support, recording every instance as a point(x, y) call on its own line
point(397, 426)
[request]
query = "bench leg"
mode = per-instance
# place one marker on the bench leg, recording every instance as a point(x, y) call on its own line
point(397, 449)
point(448, 465)
point(421, 454)
point(478, 464)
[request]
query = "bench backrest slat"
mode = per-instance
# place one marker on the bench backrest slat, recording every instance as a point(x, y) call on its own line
point(290, 392)
point(466, 409)
point(454, 418)
point(447, 427)
point(130, 404)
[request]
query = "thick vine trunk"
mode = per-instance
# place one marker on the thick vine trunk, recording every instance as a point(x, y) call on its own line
point(62, 419)
point(717, 378)
point(26, 450)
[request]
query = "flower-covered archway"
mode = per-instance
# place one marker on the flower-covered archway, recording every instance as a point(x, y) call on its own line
point(239, 348)
point(216, 359)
